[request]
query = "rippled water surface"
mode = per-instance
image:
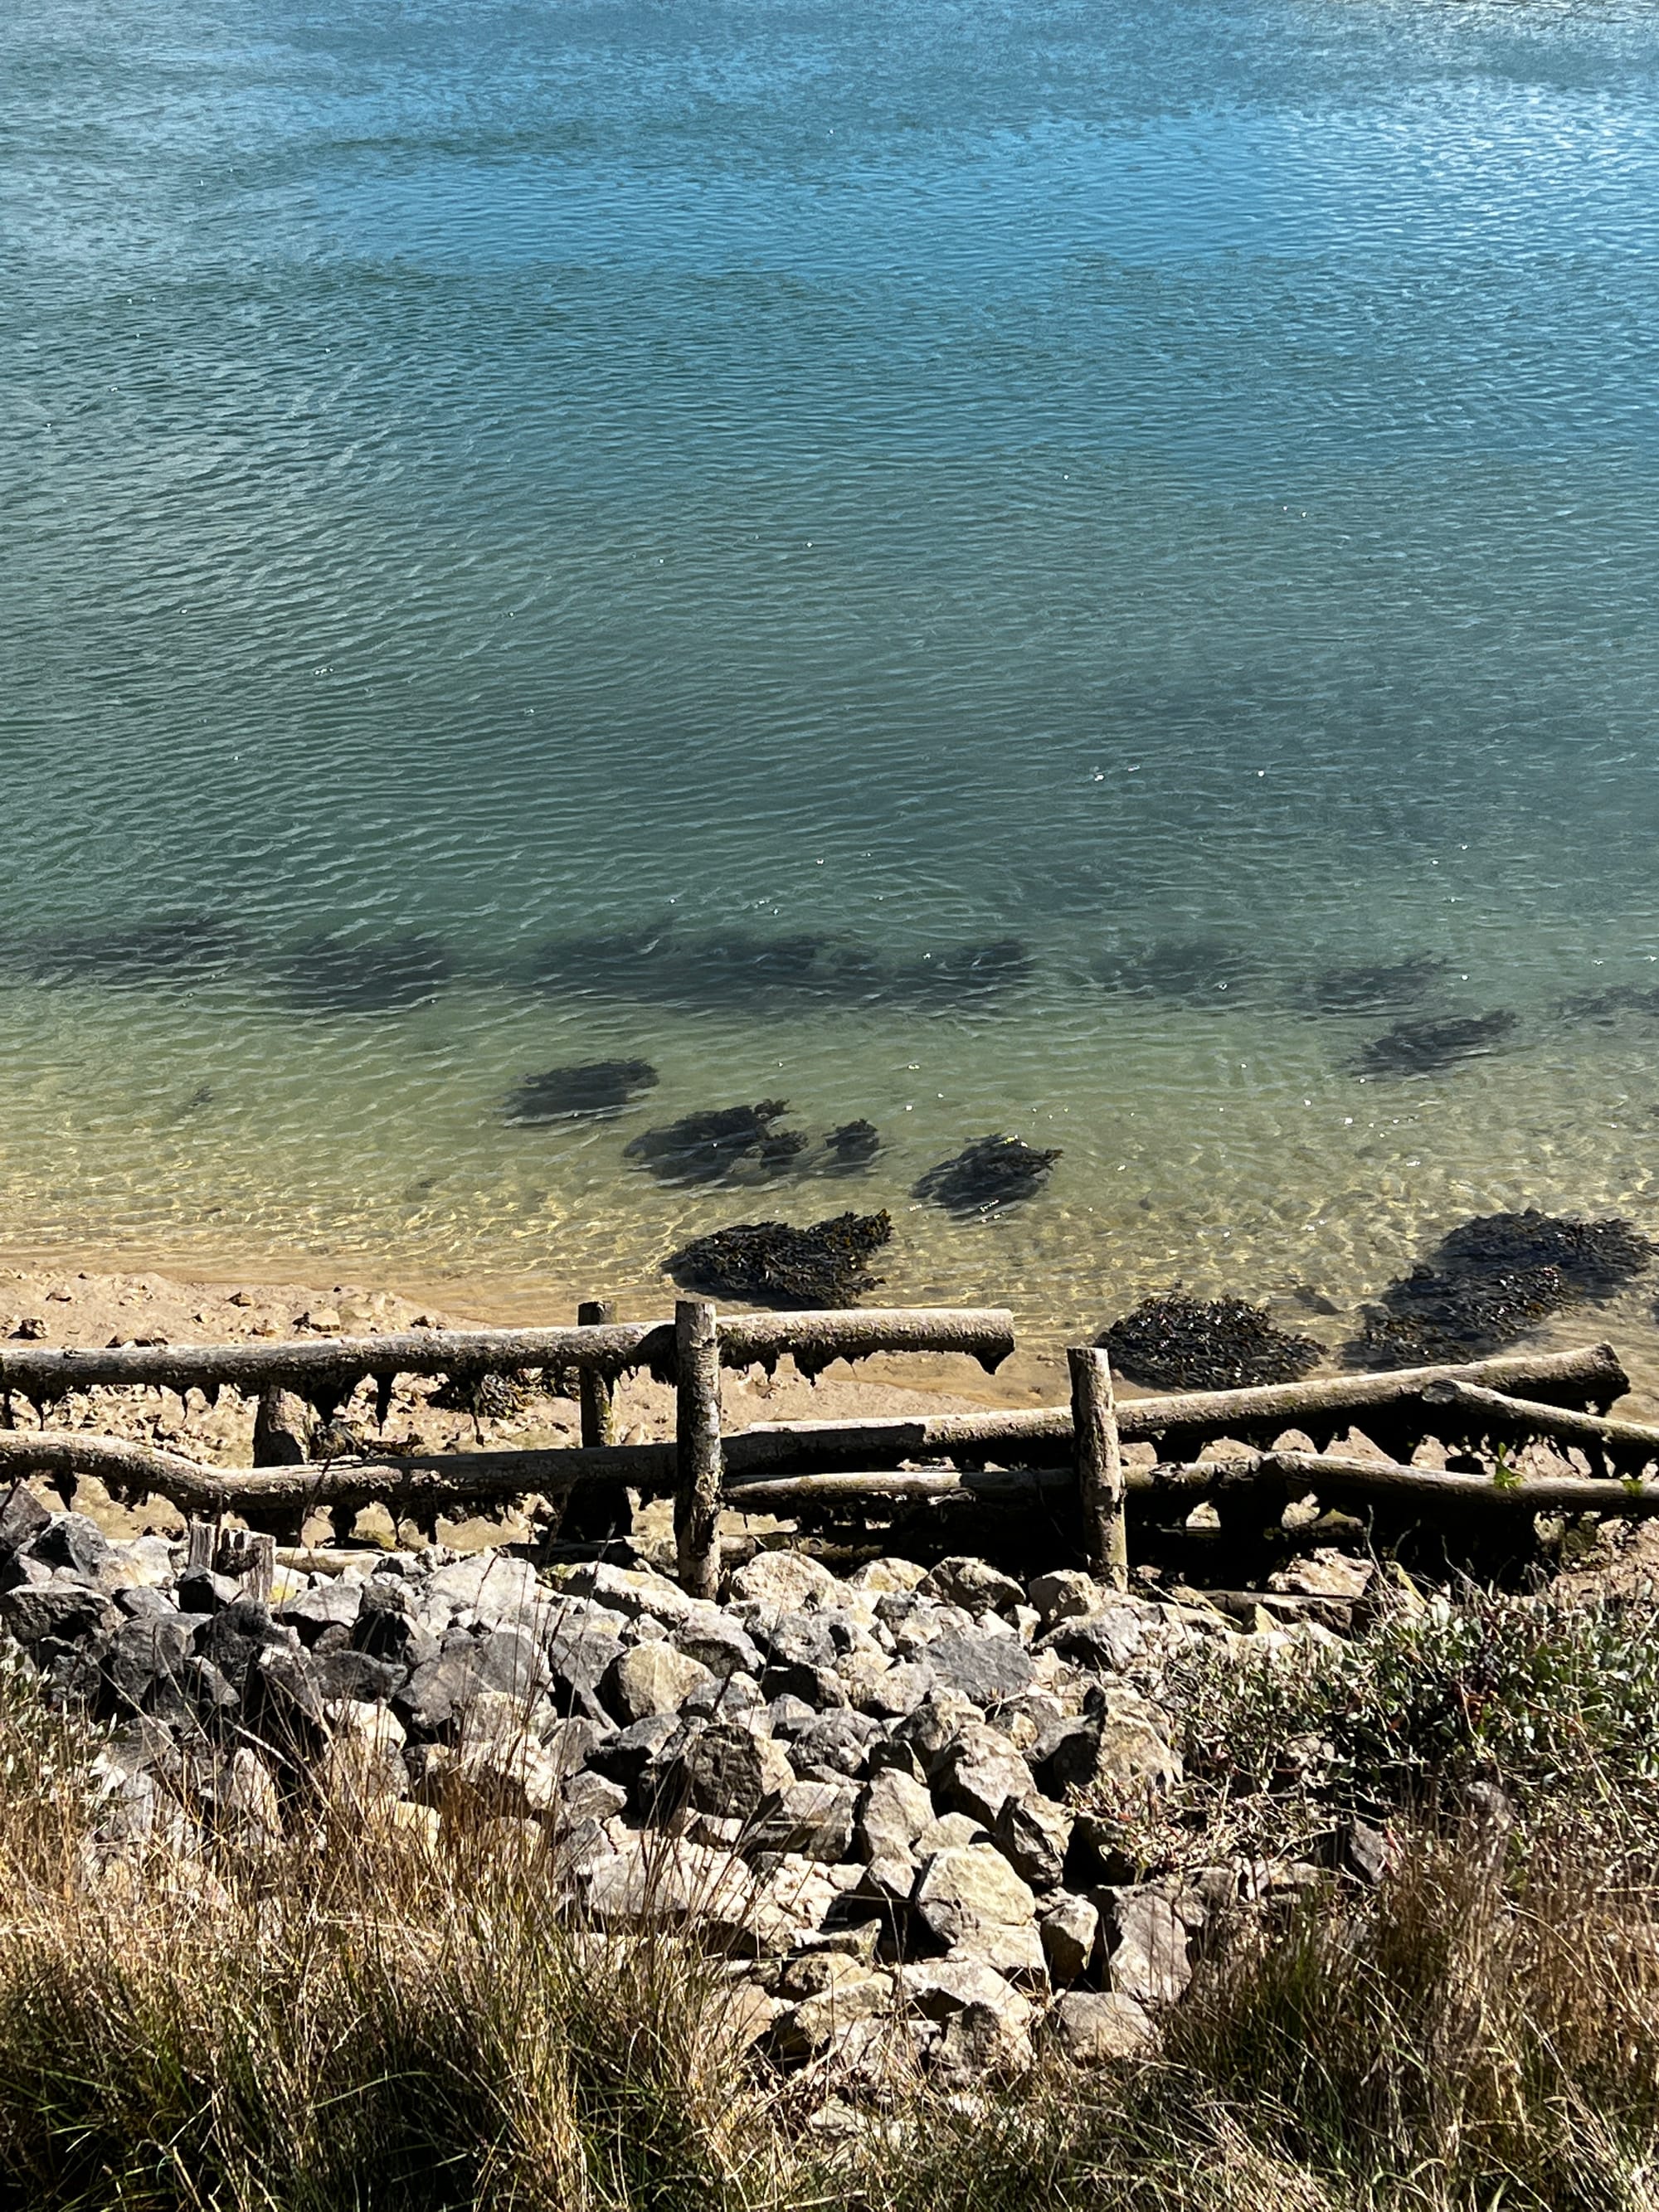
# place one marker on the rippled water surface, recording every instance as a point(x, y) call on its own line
point(948, 564)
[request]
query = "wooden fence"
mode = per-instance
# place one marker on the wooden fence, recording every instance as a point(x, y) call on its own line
point(1067, 1460)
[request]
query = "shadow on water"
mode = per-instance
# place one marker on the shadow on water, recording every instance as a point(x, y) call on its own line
point(1380, 986)
point(1424, 1048)
point(711, 971)
point(1493, 1279)
point(1209, 972)
point(592, 1090)
point(170, 951)
point(341, 972)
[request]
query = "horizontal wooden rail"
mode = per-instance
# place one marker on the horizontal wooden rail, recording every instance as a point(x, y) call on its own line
point(328, 1367)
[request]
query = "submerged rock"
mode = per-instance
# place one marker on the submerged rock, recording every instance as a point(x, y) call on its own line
point(710, 1146)
point(591, 1088)
point(338, 972)
point(778, 1266)
point(163, 950)
point(1193, 971)
point(1494, 1279)
point(1422, 1048)
point(1374, 988)
point(990, 1172)
point(1175, 1342)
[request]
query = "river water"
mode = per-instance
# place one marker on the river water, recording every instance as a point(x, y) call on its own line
point(955, 565)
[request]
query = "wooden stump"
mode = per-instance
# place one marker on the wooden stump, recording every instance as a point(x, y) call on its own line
point(698, 1456)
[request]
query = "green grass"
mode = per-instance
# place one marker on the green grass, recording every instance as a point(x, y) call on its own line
point(352, 2020)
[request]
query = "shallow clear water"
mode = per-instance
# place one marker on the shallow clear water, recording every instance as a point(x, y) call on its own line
point(1104, 477)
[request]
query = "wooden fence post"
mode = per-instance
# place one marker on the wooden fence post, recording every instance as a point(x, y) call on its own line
point(698, 1456)
point(1099, 1465)
point(595, 1512)
point(598, 1391)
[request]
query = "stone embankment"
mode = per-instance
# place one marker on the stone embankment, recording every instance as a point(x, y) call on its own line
point(877, 1799)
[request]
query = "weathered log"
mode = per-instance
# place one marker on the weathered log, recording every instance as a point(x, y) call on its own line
point(1099, 1465)
point(697, 1458)
point(319, 1367)
point(1590, 1375)
point(1632, 1445)
point(1277, 1478)
point(1042, 1437)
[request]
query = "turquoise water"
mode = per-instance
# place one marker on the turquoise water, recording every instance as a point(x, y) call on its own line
point(1082, 480)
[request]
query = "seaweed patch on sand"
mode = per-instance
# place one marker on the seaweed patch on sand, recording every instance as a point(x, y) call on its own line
point(825, 1264)
point(1424, 1048)
point(1174, 1342)
point(721, 1143)
point(1493, 1279)
point(988, 1173)
point(588, 1089)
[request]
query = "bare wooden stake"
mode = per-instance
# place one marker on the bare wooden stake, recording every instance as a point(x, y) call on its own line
point(1099, 1465)
point(697, 1447)
point(201, 1541)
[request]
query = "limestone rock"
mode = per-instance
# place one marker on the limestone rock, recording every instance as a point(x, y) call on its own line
point(1032, 1834)
point(1145, 1945)
point(785, 1582)
point(892, 1813)
point(652, 1678)
point(1070, 1932)
point(812, 1819)
point(971, 1584)
point(1093, 2030)
point(978, 1771)
point(962, 1891)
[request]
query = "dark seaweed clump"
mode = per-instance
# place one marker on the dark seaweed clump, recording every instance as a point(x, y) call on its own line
point(167, 949)
point(1422, 1048)
point(777, 1266)
point(724, 1141)
point(1493, 1279)
point(1174, 1342)
point(1185, 971)
point(336, 973)
point(491, 1397)
point(990, 1172)
point(589, 1088)
point(851, 1148)
point(1376, 987)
